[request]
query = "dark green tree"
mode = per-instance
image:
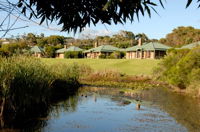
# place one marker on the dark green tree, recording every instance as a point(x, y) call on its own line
point(31, 38)
point(74, 15)
point(55, 39)
point(182, 36)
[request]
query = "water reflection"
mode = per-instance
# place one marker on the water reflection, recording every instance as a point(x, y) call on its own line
point(35, 117)
point(185, 109)
point(104, 109)
point(112, 112)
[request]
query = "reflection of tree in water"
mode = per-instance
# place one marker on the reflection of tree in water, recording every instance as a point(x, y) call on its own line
point(35, 116)
point(68, 105)
point(186, 110)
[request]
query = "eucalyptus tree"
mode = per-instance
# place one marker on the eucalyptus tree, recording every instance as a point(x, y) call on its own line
point(75, 15)
point(181, 36)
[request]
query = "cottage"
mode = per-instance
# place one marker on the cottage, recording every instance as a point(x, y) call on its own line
point(152, 50)
point(103, 49)
point(61, 52)
point(37, 51)
point(190, 46)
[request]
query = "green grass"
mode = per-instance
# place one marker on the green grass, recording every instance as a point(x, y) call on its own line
point(129, 67)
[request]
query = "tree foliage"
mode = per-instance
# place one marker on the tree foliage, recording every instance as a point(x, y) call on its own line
point(181, 68)
point(123, 39)
point(73, 54)
point(182, 36)
point(55, 39)
point(74, 15)
point(13, 48)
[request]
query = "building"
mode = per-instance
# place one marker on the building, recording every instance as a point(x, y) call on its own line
point(61, 52)
point(37, 51)
point(190, 46)
point(152, 50)
point(103, 49)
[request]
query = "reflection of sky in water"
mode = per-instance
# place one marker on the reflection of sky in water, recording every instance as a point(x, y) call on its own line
point(106, 115)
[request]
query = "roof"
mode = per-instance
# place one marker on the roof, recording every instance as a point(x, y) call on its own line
point(71, 48)
point(150, 46)
point(61, 50)
point(103, 48)
point(74, 48)
point(190, 46)
point(134, 48)
point(156, 46)
point(37, 49)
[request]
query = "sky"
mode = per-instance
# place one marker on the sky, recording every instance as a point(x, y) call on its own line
point(158, 26)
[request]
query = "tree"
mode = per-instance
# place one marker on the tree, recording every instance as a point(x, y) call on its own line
point(55, 39)
point(50, 51)
point(13, 48)
point(127, 34)
point(42, 42)
point(74, 15)
point(142, 36)
point(31, 38)
point(182, 36)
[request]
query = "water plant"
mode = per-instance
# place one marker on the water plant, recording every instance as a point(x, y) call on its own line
point(26, 82)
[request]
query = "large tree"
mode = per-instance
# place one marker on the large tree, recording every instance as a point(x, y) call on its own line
point(181, 36)
point(74, 15)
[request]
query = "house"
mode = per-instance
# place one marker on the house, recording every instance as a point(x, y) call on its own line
point(61, 52)
point(190, 46)
point(37, 51)
point(101, 50)
point(152, 50)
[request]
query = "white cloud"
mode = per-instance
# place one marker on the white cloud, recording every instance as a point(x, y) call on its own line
point(91, 33)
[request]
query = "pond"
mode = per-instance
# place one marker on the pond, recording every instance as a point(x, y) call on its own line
point(95, 109)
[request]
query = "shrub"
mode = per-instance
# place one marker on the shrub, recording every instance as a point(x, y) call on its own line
point(50, 51)
point(73, 54)
point(102, 56)
point(12, 49)
point(180, 68)
point(117, 55)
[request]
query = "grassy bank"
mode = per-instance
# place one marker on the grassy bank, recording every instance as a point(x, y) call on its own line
point(115, 79)
point(117, 73)
point(129, 67)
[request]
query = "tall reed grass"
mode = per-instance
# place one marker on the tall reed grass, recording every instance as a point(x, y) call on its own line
point(27, 82)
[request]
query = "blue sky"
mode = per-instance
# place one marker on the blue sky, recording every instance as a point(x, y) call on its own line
point(175, 14)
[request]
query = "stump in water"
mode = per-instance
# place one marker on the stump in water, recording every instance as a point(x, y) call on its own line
point(138, 106)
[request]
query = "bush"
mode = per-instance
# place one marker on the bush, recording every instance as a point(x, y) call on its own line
point(73, 54)
point(102, 56)
point(12, 49)
point(180, 68)
point(117, 55)
point(50, 51)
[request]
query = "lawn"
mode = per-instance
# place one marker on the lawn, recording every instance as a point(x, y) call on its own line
point(130, 67)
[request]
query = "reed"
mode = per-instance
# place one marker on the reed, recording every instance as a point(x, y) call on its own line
point(27, 82)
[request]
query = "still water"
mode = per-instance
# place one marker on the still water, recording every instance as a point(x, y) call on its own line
point(94, 109)
point(109, 110)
